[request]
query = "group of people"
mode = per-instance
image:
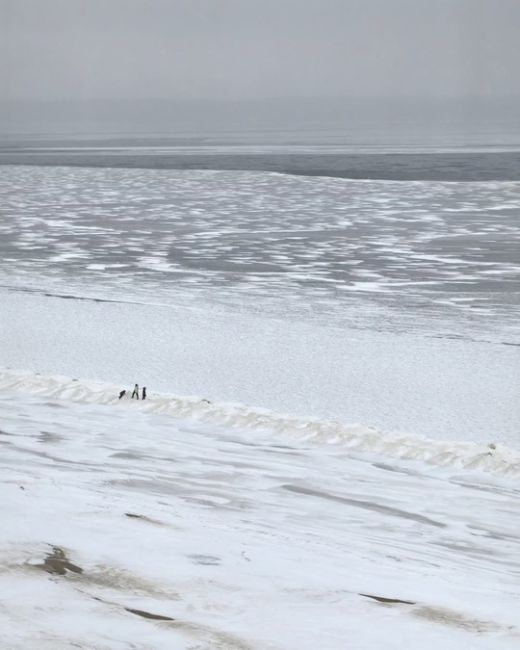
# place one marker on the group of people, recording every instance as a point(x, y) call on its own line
point(135, 392)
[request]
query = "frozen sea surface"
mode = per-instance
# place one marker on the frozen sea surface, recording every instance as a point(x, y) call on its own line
point(127, 529)
point(437, 257)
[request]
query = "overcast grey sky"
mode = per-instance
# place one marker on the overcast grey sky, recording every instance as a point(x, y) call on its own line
point(102, 49)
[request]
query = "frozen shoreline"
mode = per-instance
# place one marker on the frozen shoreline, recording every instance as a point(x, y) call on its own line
point(499, 461)
point(440, 388)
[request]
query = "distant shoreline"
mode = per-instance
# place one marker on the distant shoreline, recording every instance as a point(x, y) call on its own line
point(434, 166)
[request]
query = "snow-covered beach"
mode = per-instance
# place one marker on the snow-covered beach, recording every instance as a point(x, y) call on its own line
point(123, 528)
point(328, 455)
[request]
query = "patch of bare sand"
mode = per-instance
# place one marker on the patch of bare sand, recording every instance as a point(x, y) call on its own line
point(133, 515)
point(206, 637)
point(388, 601)
point(456, 619)
point(57, 562)
point(444, 616)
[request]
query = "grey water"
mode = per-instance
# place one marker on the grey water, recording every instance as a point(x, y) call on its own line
point(369, 163)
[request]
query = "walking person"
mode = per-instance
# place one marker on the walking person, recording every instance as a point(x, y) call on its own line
point(144, 393)
point(135, 392)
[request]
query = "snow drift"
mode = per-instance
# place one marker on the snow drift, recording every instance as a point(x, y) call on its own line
point(496, 459)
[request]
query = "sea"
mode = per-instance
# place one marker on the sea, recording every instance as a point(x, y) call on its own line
point(329, 337)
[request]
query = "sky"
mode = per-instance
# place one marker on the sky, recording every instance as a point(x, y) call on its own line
point(87, 51)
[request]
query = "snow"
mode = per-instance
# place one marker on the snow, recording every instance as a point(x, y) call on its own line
point(328, 456)
point(496, 459)
point(244, 540)
point(443, 388)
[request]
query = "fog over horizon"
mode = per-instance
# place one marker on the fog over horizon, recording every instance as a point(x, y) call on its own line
point(160, 66)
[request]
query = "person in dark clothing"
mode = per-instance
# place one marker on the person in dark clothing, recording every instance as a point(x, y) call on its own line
point(122, 394)
point(135, 392)
point(144, 392)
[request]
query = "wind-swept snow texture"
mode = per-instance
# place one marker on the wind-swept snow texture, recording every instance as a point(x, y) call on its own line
point(127, 529)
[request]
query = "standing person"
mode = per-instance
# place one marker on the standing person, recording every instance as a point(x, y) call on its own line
point(144, 392)
point(135, 392)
